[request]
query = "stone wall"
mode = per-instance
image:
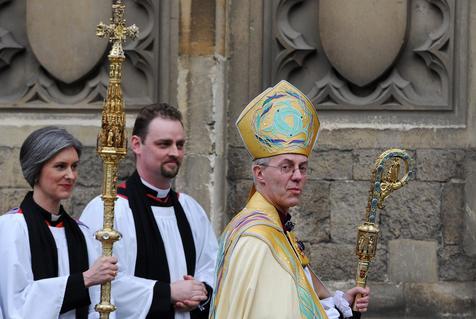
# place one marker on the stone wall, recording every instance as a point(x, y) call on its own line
point(212, 57)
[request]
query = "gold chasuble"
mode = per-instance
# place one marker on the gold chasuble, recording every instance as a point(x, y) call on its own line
point(261, 275)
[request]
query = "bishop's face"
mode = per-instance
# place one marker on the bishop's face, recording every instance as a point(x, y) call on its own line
point(160, 154)
point(282, 180)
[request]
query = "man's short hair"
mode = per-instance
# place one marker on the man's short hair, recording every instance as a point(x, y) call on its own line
point(259, 162)
point(262, 161)
point(42, 145)
point(149, 113)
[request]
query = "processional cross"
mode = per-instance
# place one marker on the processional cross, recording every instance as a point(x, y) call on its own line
point(112, 141)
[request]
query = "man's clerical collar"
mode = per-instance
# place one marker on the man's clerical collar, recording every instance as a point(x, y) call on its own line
point(160, 193)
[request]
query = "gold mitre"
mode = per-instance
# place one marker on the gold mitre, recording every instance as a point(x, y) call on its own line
point(280, 120)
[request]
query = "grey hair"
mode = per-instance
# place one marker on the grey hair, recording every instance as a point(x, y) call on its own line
point(262, 161)
point(259, 162)
point(40, 146)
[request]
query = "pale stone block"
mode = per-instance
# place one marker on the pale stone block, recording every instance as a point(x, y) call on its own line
point(441, 300)
point(127, 166)
point(439, 165)
point(339, 262)
point(239, 164)
point(331, 165)
point(348, 201)
point(10, 169)
point(412, 261)
point(81, 197)
point(11, 198)
point(312, 216)
point(364, 163)
point(412, 212)
point(237, 197)
point(332, 261)
point(220, 191)
point(199, 115)
point(68, 205)
point(469, 233)
point(452, 212)
point(386, 299)
point(469, 230)
point(198, 37)
point(194, 179)
point(90, 171)
point(455, 265)
point(246, 67)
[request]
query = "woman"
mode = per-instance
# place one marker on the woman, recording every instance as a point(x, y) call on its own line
point(45, 254)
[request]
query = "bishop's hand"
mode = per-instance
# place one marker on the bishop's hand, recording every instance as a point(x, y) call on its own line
point(361, 296)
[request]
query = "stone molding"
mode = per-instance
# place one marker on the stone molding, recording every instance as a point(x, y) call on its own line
point(426, 83)
point(147, 72)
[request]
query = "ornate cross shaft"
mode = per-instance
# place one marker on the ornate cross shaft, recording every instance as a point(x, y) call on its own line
point(112, 141)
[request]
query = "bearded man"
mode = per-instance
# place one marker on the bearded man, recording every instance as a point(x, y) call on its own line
point(168, 247)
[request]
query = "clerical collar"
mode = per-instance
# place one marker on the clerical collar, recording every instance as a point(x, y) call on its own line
point(50, 219)
point(157, 192)
point(286, 222)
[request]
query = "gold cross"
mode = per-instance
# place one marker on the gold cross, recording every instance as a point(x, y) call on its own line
point(117, 30)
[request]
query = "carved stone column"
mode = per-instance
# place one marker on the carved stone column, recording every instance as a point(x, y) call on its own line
point(202, 98)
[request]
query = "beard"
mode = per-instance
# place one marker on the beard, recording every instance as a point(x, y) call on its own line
point(169, 172)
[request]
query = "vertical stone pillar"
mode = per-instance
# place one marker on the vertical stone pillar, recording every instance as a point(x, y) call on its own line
point(469, 234)
point(201, 97)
